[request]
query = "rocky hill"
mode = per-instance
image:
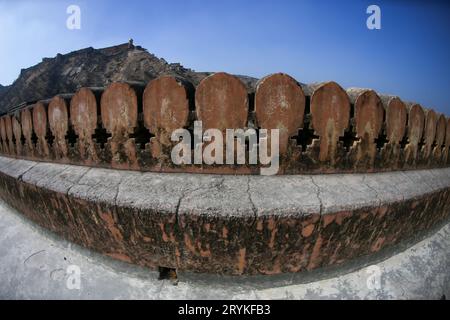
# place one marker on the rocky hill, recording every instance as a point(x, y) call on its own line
point(92, 68)
point(2, 89)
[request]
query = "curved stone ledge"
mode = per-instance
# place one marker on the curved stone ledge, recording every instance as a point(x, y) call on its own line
point(227, 224)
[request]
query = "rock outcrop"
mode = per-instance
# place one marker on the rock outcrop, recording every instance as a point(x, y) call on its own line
point(92, 68)
point(3, 89)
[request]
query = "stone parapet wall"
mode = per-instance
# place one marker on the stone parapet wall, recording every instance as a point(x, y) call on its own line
point(323, 128)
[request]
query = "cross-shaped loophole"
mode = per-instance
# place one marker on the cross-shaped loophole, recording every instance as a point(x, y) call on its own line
point(305, 137)
point(349, 138)
point(381, 140)
point(101, 136)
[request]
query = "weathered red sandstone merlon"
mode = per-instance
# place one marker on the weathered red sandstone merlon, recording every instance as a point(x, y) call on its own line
point(440, 139)
point(165, 109)
point(222, 102)
point(40, 129)
point(58, 120)
point(83, 118)
point(330, 111)
point(445, 159)
point(119, 110)
point(280, 104)
point(416, 120)
point(429, 136)
point(26, 120)
point(395, 120)
point(396, 117)
point(369, 114)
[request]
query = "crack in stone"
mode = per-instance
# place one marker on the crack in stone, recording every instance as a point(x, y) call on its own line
point(121, 179)
point(93, 186)
point(78, 181)
point(32, 255)
point(189, 192)
point(377, 196)
point(317, 194)
point(398, 191)
point(254, 209)
point(177, 208)
point(119, 184)
point(19, 178)
point(117, 192)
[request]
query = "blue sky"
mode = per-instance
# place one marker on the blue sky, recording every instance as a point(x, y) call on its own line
point(310, 40)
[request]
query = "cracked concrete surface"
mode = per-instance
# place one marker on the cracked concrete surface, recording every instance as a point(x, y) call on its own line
point(317, 194)
point(34, 265)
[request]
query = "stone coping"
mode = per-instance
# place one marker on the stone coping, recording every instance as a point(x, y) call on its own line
point(229, 195)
